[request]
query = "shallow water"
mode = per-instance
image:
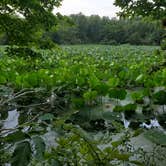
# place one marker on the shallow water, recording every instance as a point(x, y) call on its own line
point(10, 123)
point(12, 120)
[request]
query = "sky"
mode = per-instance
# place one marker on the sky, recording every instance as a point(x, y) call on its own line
point(88, 7)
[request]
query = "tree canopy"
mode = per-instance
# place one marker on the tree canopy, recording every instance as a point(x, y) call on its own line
point(102, 30)
point(23, 20)
point(153, 8)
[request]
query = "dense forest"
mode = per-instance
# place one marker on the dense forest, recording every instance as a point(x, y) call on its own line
point(103, 30)
point(81, 29)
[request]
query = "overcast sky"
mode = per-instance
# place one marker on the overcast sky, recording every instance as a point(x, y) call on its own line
point(88, 7)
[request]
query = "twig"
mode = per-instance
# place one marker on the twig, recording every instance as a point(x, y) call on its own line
point(33, 105)
point(10, 129)
point(1, 130)
point(18, 95)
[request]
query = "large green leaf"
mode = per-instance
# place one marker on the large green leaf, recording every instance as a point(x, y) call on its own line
point(2, 79)
point(113, 82)
point(93, 81)
point(156, 136)
point(160, 97)
point(126, 108)
point(135, 162)
point(111, 116)
point(140, 78)
point(47, 116)
point(90, 95)
point(102, 89)
point(39, 147)
point(16, 136)
point(117, 94)
point(22, 154)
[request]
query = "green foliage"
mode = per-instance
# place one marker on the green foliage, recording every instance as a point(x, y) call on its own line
point(16, 137)
point(92, 72)
point(23, 52)
point(156, 136)
point(23, 22)
point(39, 147)
point(46, 43)
point(46, 117)
point(153, 8)
point(163, 44)
point(138, 96)
point(159, 97)
point(67, 92)
point(22, 154)
point(129, 111)
point(4, 157)
point(117, 94)
point(77, 147)
point(90, 95)
point(113, 82)
point(94, 29)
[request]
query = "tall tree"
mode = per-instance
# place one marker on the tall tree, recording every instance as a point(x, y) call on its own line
point(153, 8)
point(156, 9)
point(82, 24)
point(94, 28)
point(23, 21)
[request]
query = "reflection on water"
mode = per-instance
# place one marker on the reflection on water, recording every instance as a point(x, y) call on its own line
point(125, 122)
point(153, 123)
point(50, 139)
point(12, 120)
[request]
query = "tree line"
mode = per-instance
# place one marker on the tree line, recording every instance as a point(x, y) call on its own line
point(32, 23)
point(103, 30)
point(81, 29)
